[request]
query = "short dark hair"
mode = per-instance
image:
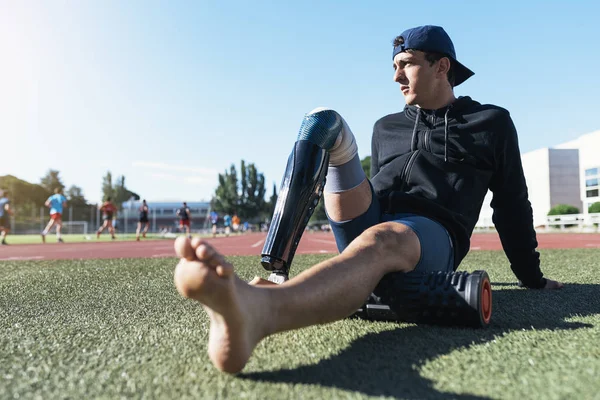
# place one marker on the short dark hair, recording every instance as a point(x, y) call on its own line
point(108, 199)
point(431, 57)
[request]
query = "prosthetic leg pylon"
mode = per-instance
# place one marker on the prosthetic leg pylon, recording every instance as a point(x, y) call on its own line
point(300, 191)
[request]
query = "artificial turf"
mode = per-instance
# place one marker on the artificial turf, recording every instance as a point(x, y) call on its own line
point(77, 238)
point(118, 328)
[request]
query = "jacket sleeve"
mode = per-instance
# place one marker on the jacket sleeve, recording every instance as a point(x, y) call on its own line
point(513, 215)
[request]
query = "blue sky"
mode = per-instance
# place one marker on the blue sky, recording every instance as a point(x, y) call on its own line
point(169, 94)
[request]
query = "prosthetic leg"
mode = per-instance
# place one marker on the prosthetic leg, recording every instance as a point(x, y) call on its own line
point(456, 298)
point(300, 191)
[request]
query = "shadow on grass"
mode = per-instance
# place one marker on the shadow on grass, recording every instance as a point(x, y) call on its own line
point(387, 363)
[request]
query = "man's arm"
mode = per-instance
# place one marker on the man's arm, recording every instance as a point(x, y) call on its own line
point(513, 216)
point(8, 209)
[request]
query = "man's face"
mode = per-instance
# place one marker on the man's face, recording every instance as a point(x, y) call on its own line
point(418, 80)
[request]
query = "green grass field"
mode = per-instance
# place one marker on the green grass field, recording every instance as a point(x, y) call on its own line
point(118, 328)
point(76, 238)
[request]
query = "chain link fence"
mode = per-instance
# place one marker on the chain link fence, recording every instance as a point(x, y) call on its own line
point(86, 220)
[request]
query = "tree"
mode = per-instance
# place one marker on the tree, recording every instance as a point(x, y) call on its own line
point(319, 215)
point(52, 181)
point(244, 196)
point(75, 197)
point(594, 208)
point(562, 209)
point(119, 192)
point(26, 199)
point(226, 196)
point(272, 202)
point(252, 202)
point(122, 194)
point(107, 186)
point(78, 207)
point(366, 165)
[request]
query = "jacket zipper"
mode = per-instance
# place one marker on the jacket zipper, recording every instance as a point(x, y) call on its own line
point(428, 143)
point(408, 167)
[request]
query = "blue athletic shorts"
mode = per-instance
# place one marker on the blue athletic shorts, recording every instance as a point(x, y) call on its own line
point(437, 253)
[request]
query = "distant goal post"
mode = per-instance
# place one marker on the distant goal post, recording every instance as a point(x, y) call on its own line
point(75, 227)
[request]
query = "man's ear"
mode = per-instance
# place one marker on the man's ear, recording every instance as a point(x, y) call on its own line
point(444, 66)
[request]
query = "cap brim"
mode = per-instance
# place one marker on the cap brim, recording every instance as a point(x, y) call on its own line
point(461, 73)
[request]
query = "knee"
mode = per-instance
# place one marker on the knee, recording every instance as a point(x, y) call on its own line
point(393, 244)
point(322, 127)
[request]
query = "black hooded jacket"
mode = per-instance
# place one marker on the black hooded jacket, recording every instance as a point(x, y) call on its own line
point(441, 163)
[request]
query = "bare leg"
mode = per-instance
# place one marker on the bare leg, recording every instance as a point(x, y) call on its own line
point(348, 204)
point(47, 229)
point(104, 225)
point(146, 229)
point(137, 231)
point(58, 230)
point(241, 315)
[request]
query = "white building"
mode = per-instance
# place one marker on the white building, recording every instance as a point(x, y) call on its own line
point(589, 163)
point(566, 174)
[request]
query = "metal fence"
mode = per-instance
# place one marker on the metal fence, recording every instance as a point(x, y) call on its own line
point(573, 222)
point(88, 219)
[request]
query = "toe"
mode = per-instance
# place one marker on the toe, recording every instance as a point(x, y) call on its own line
point(184, 249)
point(196, 242)
point(208, 254)
point(190, 278)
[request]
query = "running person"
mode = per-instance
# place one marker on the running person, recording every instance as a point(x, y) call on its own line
point(227, 224)
point(432, 165)
point(108, 210)
point(214, 218)
point(5, 213)
point(56, 203)
point(185, 217)
point(235, 222)
point(143, 220)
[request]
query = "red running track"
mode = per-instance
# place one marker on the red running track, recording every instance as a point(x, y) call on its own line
point(251, 244)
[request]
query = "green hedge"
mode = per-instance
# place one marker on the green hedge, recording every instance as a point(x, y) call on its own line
point(562, 209)
point(594, 208)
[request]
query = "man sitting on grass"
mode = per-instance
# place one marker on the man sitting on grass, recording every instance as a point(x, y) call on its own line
point(432, 165)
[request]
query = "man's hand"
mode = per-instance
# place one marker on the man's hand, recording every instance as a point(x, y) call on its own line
point(550, 284)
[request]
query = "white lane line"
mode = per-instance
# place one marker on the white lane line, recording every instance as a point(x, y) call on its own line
point(258, 243)
point(592, 245)
point(24, 258)
point(475, 248)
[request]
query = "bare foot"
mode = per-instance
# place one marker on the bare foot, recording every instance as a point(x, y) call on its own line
point(237, 311)
point(258, 281)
